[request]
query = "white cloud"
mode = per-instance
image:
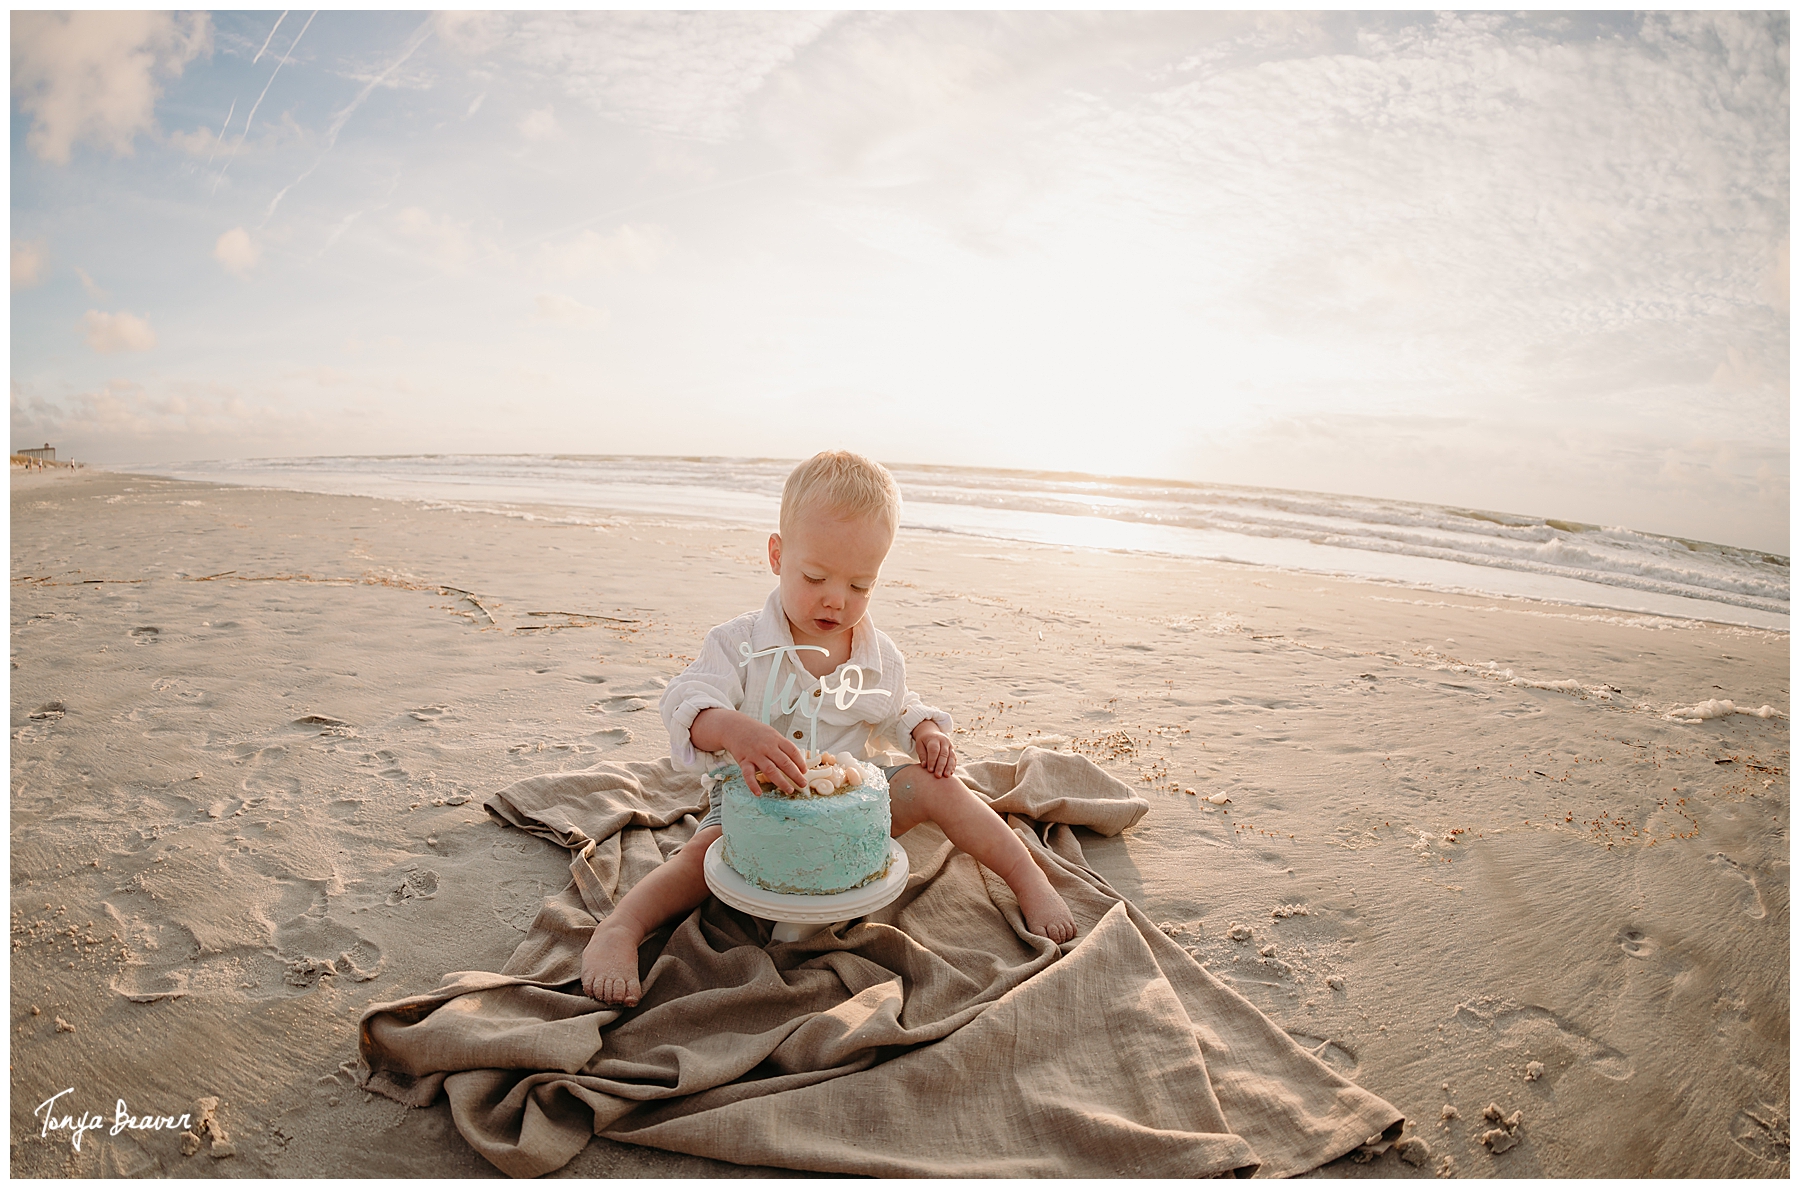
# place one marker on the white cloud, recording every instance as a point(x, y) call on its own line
point(197, 142)
point(108, 333)
point(1509, 162)
point(28, 260)
point(93, 77)
point(236, 252)
point(566, 311)
point(471, 33)
point(683, 73)
point(974, 102)
point(122, 420)
point(630, 247)
point(539, 124)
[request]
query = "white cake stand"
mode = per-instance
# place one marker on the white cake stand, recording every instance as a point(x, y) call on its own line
point(797, 917)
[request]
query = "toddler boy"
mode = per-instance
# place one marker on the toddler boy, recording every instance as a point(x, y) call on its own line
point(839, 512)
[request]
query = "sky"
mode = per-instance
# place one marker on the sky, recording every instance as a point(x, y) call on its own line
point(1529, 263)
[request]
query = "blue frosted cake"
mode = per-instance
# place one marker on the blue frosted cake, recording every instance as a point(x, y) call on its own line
point(829, 838)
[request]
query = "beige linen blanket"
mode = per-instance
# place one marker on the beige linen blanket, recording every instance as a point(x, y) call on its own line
point(935, 1037)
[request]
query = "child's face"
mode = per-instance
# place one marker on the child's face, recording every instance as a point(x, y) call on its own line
point(828, 565)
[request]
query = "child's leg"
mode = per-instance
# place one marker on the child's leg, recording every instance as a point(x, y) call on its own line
point(915, 795)
point(609, 965)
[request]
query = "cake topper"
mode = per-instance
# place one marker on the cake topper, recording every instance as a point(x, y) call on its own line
point(843, 693)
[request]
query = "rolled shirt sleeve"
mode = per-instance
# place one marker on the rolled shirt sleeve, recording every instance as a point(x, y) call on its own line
point(714, 679)
point(912, 709)
point(914, 712)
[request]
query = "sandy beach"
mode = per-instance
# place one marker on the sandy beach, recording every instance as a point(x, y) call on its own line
point(1471, 850)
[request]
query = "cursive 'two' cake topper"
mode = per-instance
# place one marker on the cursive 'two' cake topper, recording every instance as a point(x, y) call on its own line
point(786, 702)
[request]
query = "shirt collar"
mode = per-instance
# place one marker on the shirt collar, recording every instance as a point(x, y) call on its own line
point(771, 630)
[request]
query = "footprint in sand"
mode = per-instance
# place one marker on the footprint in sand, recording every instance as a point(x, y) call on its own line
point(1540, 1034)
point(1749, 895)
point(1762, 1131)
point(167, 962)
point(256, 753)
point(418, 885)
point(346, 808)
point(146, 635)
point(356, 959)
point(1636, 944)
point(518, 901)
point(617, 737)
point(515, 847)
point(429, 713)
point(259, 786)
point(312, 945)
point(392, 769)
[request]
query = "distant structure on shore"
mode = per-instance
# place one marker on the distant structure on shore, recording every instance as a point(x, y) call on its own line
point(38, 458)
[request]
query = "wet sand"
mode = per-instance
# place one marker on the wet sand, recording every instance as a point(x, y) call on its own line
point(1470, 854)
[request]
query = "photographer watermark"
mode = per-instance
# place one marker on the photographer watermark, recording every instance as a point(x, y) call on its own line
point(122, 1120)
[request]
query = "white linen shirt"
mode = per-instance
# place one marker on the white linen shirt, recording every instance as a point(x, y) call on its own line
point(886, 712)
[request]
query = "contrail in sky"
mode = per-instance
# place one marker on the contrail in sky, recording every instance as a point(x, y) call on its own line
point(412, 44)
point(337, 124)
point(353, 216)
point(270, 37)
point(219, 139)
point(259, 98)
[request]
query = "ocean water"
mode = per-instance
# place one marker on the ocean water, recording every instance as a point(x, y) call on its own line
point(1459, 550)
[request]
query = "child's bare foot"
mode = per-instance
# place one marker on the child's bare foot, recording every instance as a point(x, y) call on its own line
point(609, 967)
point(1046, 913)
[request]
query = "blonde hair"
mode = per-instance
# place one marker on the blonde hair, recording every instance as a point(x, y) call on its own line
point(844, 483)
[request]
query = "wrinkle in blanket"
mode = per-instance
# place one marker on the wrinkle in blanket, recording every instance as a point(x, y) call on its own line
point(934, 1037)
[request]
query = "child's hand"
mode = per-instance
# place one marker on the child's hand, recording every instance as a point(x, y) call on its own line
point(936, 755)
point(757, 747)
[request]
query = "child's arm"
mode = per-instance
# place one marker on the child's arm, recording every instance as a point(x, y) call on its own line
point(712, 680)
point(926, 726)
point(757, 747)
point(937, 755)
